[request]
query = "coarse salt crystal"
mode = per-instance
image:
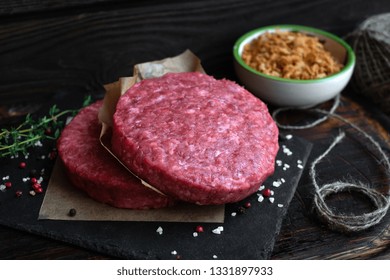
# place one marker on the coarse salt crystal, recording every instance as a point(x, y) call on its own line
point(272, 192)
point(276, 184)
point(289, 136)
point(217, 230)
point(174, 252)
point(280, 205)
point(24, 179)
point(195, 234)
point(233, 214)
point(38, 144)
point(271, 199)
point(260, 198)
point(279, 162)
point(2, 188)
point(286, 150)
point(215, 257)
point(282, 180)
point(300, 166)
point(262, 187)
point(159, 230)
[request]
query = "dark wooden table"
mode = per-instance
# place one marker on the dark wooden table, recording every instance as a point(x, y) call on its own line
point(51, 48)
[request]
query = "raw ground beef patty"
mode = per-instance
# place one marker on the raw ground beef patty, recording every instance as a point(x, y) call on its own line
point(195, 138)
point(92, 169)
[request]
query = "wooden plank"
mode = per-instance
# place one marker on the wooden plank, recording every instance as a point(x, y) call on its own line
point(11, 7)
point(77, 49)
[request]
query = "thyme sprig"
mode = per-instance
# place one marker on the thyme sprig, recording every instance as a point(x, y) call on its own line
point(32, 131)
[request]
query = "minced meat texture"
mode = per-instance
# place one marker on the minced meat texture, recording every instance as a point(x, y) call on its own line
point(195, 138)
point(92, 169)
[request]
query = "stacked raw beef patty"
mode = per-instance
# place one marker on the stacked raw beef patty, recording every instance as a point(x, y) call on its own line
point(195, 138)
point(92, 169)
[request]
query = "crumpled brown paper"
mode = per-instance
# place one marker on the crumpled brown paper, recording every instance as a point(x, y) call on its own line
point(61, 196)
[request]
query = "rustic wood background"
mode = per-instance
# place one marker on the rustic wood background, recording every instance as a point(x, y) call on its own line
point(52, 48)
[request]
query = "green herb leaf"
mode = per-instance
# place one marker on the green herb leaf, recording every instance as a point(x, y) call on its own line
point(17, 140)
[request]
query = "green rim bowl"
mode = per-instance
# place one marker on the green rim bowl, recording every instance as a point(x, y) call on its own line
point(290, 92)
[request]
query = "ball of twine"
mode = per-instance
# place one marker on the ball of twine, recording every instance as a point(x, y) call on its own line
point(371, 43)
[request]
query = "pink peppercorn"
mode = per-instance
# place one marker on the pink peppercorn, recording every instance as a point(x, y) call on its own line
point(38, 190)
point(199, 229)
point(36, 186)
point(266, 192)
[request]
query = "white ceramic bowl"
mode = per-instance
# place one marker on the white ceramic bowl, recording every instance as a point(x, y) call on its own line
point(290, 92)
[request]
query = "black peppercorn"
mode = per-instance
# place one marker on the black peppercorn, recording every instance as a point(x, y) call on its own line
point(241, 210)
point(72, 212)
point(33, 173)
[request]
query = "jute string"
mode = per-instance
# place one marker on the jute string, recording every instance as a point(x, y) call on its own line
point(371, 44)
point(337, 221)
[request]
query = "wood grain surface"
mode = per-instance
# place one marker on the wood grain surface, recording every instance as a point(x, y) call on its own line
point(51, 48)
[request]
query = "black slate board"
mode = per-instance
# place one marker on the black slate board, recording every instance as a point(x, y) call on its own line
point(249, 235)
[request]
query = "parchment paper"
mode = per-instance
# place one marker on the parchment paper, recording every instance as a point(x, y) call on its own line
point(61, 196)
